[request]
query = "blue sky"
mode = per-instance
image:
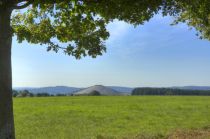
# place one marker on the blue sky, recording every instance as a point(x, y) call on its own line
point(154, 54)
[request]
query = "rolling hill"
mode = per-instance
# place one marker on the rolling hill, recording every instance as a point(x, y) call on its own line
point(69, 90)
point(51, 90)
point(98, 88)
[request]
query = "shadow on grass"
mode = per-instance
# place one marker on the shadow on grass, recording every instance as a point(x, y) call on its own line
point(203, 133)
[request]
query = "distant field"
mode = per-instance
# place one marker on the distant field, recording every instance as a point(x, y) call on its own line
point(108, 117)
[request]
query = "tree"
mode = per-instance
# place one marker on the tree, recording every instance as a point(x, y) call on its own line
point(25, 93)
point(14, 93)
point(80, 25)
point(169, 91)
point(43, 94)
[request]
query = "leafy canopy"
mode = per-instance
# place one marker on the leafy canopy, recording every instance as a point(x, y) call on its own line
point(80, 25)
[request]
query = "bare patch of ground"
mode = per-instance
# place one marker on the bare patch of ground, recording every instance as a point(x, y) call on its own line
point(203, 133)
point(191, 134)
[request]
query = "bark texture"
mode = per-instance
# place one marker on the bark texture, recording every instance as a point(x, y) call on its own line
point(6, 104)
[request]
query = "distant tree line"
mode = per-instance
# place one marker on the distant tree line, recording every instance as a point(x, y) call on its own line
point(26, 93)
point(169, 91)
point(23, 93)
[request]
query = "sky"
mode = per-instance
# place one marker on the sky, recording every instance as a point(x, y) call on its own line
point(155, 54)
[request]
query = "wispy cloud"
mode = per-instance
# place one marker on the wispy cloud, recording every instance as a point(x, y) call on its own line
point(117, 30)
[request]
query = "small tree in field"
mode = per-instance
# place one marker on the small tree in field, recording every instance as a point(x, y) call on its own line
point(80, 26)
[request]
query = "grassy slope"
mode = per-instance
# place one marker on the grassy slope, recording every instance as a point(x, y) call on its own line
point(119, 116)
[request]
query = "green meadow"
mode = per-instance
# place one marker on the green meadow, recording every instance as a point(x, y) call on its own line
point(108, 117)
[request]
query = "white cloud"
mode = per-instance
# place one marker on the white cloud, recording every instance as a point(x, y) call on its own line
point(117, 30)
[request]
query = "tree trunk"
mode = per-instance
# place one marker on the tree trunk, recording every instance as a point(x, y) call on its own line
point(6, 105)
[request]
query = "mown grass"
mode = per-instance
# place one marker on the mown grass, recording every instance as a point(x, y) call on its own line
point(108, 116)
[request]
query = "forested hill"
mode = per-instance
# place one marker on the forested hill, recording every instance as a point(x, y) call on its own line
point(193, 87)
point(168, 91)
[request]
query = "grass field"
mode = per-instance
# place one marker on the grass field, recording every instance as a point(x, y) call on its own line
point(110, 117)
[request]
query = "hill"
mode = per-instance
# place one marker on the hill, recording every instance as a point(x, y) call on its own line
point(51, 90)
point(194, 87)
point(125, 90)
point(98, 88)
point(69, 90)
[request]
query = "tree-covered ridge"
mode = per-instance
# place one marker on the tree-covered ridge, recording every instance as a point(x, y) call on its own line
point(80, 25)
point(169, 91)
point(26, 93)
